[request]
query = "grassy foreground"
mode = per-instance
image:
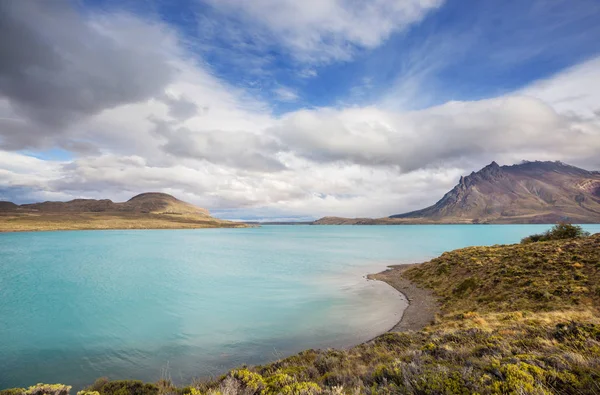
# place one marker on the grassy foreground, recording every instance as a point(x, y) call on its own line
point(518, 319)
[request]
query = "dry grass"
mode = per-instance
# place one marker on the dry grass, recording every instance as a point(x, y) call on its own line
point(28, 222)
point(545, 276)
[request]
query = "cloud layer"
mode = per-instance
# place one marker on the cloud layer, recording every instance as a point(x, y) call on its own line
point(327, 30)
point(58, 68)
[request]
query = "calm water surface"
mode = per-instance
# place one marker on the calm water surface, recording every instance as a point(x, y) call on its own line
point(75, 306)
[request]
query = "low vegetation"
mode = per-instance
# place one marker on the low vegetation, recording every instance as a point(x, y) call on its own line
point(560, 231)
point(517, 319)
point(151, 210)
point(29, 222)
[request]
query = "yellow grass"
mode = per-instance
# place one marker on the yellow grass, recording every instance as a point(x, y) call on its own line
point(28, 222)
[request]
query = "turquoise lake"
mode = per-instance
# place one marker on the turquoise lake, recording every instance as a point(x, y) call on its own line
point(75, 306)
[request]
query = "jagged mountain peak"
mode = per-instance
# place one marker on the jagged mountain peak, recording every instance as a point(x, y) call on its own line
point(531, 191)
point(489, 172)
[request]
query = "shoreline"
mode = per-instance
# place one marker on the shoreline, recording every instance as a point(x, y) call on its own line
point(423, 305)
point(165, 226)
point(117, 228)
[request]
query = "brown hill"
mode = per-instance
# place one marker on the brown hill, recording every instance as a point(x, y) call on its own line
point(347, 221)
point(154, 202)
point(150, 202)
point(7, 206)
point(530, 192)
point(151, 210)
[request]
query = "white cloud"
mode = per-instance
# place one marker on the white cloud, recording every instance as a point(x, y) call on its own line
point(511, 128)
point(325, 30)
point(286, 94)
point(574, 91)
point(307, 73)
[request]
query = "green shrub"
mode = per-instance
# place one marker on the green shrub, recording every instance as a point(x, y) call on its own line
point(125, 387)
point(252, 382)
point(13, 391)
point(49, 389)
point(306, 388)
point(39, 389)
point(559, 231)
point(467, 285)
point(98, 384)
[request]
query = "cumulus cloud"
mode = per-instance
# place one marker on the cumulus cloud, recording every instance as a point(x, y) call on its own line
point(182, 108)
point(103, 82)
point(243, 150)
point(58, 67)
point(510, 128)
point(124, 176)
point(575, 91)
point(24, 178)
point(325, 30)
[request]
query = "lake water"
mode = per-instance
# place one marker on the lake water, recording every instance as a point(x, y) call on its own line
point(75, 306)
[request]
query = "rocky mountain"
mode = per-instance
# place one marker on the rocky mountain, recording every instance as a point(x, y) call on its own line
point(529, 192)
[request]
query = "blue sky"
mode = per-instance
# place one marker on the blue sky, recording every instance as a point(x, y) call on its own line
point(476, 48)
point(284, 109)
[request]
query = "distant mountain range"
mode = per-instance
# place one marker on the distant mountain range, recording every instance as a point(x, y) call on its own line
point(151, 210)
point(530, 192)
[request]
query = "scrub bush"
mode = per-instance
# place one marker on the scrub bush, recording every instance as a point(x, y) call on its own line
point(560, 231)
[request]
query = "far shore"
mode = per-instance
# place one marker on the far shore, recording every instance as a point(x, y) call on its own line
point(39, 222)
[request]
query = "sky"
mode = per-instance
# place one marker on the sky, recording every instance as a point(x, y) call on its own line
point(290, 110)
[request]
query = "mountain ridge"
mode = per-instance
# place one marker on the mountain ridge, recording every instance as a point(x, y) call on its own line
point(528, 192)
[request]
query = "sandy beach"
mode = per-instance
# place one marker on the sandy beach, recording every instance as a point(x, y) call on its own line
point(422, 304)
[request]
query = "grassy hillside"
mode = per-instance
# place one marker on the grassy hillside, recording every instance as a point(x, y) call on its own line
point(150, 210)
point(518, 319)
point(545, 276)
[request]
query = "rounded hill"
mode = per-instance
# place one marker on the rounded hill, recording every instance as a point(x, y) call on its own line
point(158, 202)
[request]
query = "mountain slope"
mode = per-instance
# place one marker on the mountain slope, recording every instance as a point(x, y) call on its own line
point(531, 192)
point(154, 202)
point(145, 211)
